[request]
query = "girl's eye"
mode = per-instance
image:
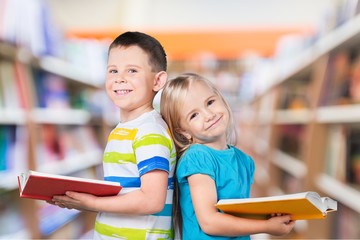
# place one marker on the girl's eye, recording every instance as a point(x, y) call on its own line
point(211, 102)
point(112, 71)
point(132, 71)
point(192, 116)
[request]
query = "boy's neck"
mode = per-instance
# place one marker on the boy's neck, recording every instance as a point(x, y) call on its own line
point(126, 116)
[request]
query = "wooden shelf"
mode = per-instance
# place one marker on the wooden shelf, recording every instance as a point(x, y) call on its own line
point(340, 191)
point(73, 163)
point(301, 116)
point(13, 116)
point(338, 114)
point(345, 36)
point(324, 138)
point(289, 164)
point(42, 133)
point(60, 116)
point(69, 71)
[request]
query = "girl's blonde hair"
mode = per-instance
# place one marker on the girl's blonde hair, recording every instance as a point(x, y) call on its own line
point(172, 99)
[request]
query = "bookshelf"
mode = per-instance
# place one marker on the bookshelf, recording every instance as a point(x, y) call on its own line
point(50, 121)
point(310, 118)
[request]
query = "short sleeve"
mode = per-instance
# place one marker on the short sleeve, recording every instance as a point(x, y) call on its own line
point(251, 169)
point(248, 163)
point(195, 162)
point(152, 148)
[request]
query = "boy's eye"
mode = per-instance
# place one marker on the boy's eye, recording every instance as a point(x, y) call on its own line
point(112, 71)
point(132, 71)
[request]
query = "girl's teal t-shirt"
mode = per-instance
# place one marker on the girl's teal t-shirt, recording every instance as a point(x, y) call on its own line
point(233, 173)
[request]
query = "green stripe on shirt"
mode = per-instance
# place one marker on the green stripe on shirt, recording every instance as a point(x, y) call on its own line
point(151, 139)
point(131, 233)
point(120, 158)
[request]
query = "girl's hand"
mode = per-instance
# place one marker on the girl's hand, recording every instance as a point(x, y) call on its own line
point(280, 224)
point(75, 200)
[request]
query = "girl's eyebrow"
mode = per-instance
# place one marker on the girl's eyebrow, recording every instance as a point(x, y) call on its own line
point(189, 113)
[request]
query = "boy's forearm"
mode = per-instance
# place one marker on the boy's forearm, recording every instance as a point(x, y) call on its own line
point(149, 199)
point(134, 203)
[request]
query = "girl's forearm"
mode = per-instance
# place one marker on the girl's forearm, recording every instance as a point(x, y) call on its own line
point(226, 225)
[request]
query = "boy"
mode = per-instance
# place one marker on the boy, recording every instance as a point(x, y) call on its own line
point(140, 153)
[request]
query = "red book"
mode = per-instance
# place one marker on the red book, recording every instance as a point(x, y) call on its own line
point(43, 186)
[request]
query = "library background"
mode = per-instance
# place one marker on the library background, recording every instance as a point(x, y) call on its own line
point(290, 69)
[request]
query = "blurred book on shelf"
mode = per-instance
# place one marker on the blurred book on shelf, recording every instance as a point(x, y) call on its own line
point(290, 137)
point(353, 163)
point(36, 31)
point(289, 183)
point(336, 84)
point(336, 152)
point(355, 80)
point(13, 225)
point(22, 78)
point(13, 149)
point(346, 225)
point(12, 98)
point(51, 90)
point(56, 143)
point(294, 96)
point(343, 155)
point(53, 218)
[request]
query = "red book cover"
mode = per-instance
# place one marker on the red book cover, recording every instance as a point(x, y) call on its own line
point(44, 186)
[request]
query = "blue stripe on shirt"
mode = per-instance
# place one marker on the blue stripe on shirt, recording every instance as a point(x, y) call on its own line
point(129, 182)
point(126, 182)
point(156, 162)
point(166, 212)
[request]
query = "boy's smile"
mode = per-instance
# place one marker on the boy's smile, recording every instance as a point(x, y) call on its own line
point(122, 91)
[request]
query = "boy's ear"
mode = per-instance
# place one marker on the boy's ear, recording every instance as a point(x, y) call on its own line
point(160, 80)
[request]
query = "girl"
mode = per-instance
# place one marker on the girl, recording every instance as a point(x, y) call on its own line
point(210, 167)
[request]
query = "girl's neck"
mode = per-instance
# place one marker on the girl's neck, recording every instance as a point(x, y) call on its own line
point(219, 145)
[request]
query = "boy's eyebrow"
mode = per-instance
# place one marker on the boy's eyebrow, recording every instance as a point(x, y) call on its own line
point(109, 66)
point(128, 66)
point(133, 66)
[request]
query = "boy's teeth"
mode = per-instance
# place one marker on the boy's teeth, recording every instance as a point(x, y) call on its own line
point(122, 91)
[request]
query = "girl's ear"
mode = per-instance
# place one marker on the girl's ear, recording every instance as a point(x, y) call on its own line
point(184, 134)
point(160, 80)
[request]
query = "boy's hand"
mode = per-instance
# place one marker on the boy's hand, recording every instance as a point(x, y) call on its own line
point(75, 200)
point(280, 224)
point(50, 202)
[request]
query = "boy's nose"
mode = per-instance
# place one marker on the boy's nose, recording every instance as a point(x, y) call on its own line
point(120, 79)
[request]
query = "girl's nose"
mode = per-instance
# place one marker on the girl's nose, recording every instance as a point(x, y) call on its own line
point(209, 115)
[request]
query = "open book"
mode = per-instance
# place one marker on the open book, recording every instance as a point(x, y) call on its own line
point(43, 186)
point(301, 206)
